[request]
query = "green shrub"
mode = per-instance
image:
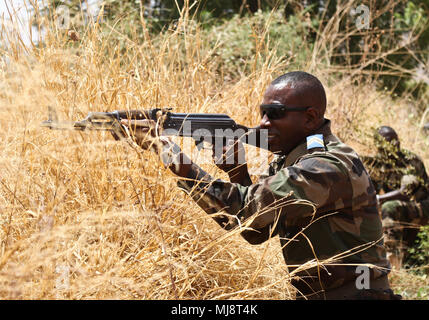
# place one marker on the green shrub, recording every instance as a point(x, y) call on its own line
point(419, 253)
point(244, 43)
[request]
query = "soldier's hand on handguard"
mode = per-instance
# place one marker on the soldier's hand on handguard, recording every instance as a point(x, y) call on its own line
point(145, 134)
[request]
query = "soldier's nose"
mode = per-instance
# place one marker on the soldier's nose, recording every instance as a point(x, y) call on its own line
point(265, 122)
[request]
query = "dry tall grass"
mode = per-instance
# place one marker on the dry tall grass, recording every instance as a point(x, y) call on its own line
point(85, 217)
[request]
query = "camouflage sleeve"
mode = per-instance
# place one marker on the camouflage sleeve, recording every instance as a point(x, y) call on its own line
point(420, 188)
point(421, 171)
point(288, 198)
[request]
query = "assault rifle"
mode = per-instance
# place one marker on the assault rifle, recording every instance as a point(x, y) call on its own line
point(209, 127)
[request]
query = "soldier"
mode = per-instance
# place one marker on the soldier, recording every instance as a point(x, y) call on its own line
point(316, 195)
point(401, 177)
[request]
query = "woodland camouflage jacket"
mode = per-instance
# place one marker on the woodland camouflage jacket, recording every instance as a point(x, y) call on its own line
point(395, 169)
point(344, 221)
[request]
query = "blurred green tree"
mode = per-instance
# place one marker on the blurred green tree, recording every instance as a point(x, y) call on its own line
point(400, 33)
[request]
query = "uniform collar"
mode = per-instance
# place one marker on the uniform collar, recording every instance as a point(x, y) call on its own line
point(301, 148)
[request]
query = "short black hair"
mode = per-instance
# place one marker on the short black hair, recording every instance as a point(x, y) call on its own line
point(386, 129)
point(305, 83)
point(387, 132)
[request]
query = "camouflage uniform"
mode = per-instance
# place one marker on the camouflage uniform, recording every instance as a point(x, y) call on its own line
point(344, 218)
point(393, 169)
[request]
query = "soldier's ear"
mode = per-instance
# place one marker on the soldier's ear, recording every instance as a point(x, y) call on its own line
point(313, 117)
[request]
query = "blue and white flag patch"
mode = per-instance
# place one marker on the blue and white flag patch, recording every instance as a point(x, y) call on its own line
point(315, 141)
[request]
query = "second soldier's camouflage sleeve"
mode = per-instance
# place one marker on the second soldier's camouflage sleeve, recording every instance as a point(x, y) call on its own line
point(421, 190)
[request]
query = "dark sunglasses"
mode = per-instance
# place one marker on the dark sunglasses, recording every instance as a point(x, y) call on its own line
point(277, 111)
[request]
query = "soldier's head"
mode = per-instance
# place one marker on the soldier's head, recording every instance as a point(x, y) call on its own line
point(386, 139)
point(293, 108)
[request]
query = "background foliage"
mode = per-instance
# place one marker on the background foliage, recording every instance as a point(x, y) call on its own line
point(399, 29)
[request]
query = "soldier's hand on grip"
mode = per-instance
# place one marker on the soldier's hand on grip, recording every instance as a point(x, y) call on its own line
point(230, 156)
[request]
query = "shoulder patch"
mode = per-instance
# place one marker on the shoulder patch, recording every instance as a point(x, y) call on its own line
point(315, 141)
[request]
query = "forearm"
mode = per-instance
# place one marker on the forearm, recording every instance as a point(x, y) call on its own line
point(222, 200)
point(190, 171)
point(178, 162)
point(181, 165)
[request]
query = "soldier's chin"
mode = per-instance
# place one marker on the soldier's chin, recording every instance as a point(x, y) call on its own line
point(274, 148)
